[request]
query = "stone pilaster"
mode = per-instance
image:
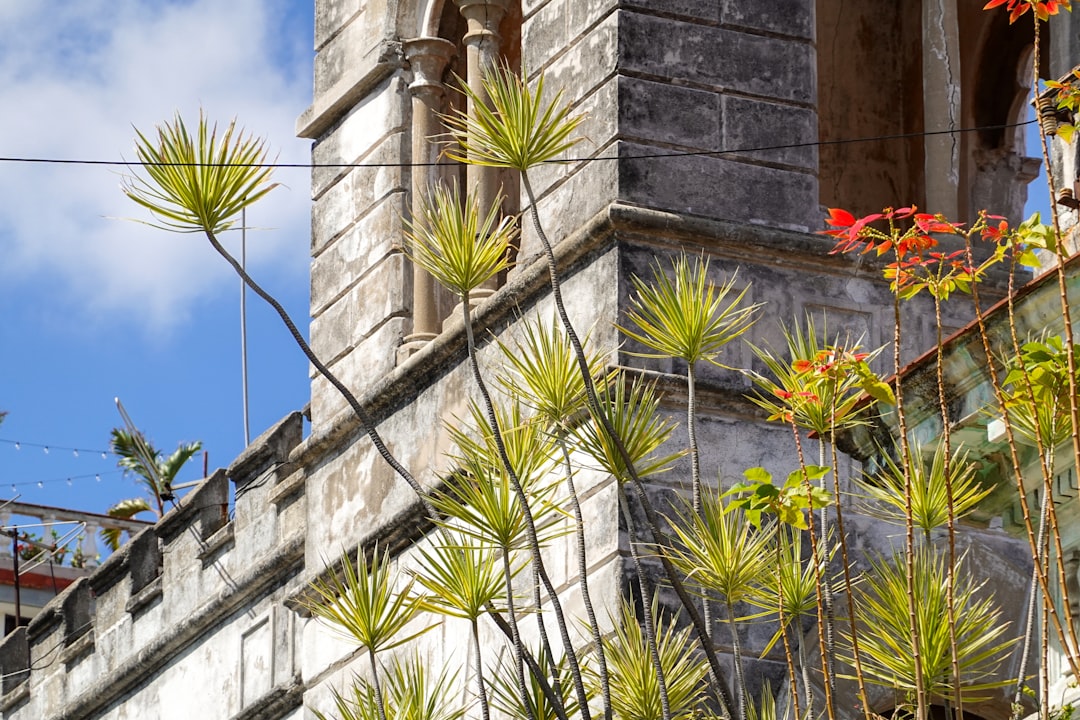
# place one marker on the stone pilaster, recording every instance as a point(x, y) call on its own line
point(483, 51)
point(428, 58)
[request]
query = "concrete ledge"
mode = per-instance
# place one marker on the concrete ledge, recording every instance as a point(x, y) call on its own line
point(216, 543)
point(78, 649)
point(356, 83)
point(275, 703)
point(16, 697)
point(272, 446)
point(288, 488)
point(206, 506)
point(145, 597)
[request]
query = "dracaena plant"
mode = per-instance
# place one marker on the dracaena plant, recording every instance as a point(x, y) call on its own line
point(366, 604)
point(636, 693)
point(518, 129)
point(546, 378)
point(462, 248)
point(412, 692)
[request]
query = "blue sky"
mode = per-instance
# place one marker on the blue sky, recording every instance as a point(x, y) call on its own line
point(93, 307)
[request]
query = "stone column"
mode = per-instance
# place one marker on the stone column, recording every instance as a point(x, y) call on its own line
point(88, 544)
point(482, 44)
point(428, 58)
point(941, 108)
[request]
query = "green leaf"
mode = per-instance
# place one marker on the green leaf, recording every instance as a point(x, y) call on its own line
point(757, 474)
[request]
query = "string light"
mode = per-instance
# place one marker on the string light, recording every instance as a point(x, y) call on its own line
point(46, 448)
point(70, 480)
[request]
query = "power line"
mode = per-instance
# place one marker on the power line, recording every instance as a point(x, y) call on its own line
point(584, 159)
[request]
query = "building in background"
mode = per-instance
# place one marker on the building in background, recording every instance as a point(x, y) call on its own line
point(702, 124)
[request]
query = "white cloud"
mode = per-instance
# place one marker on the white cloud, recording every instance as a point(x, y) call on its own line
point(75, 76)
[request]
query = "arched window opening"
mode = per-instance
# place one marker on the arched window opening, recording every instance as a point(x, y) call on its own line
point(996, 77)
point(468, 38)
point(870, 86)
point(917, 69)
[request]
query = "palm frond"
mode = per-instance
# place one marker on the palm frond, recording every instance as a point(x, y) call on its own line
point(411, 693)
point(506, 698)
point(171, 466)
point(635, 692)
point(461, 580)
point(198, 184)
point(887, 651)
point(363, 603)
point(450, 239)
point(478, 499)
point(929, 497)
point(516, 130)
point(722, 551)
point(547, 375)
point(632, 410)
point(687, 316)
point(124, 510)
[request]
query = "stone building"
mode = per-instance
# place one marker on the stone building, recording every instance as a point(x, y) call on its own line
point(703, 124)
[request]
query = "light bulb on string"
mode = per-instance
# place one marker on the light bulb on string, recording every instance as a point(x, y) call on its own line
point(69, 482)
point(103, 455)
point(40, 484)
point(98, 478)
point(45, 449)
point(75, 453)
point(17, 445)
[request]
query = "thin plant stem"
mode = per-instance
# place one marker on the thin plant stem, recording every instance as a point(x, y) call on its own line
point(481, 691)
point(515, 632)
point(842, 540)
point(652, 519)
point(827, 600)
point(541, 629)
point(583, 571)
point(909, 520)
point(804, 667)
point(1029, 621)
point(1070, 351)
point(826, 675)
point(736, 654)
point(783, 632)
point(646, 608)
point(380, 704)
point(361, 414)
point(526, 512)
point(695, 472)
point(950, 519)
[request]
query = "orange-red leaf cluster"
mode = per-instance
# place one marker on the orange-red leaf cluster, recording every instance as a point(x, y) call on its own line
point(1043, 8)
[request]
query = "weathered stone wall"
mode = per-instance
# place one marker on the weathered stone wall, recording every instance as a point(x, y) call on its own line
point(201, 616)
point(186, 619)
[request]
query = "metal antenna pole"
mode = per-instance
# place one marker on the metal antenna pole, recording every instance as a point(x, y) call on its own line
point(15, 567)
point(243, 325)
